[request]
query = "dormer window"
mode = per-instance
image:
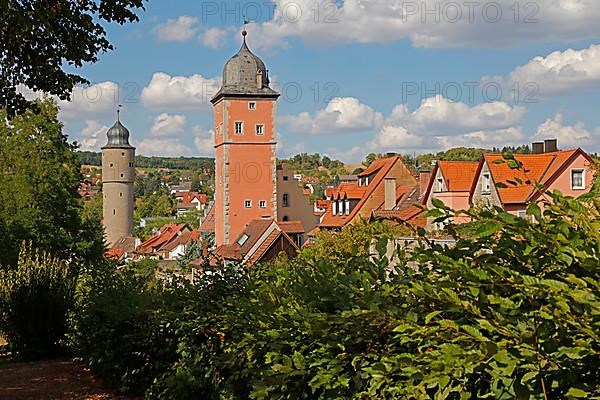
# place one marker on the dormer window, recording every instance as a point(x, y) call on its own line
point(259, 79)
point(334, 207)
point(347, 202)
point(367, 181)
point(360, 181)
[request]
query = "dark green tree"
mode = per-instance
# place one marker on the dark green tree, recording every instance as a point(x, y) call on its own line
point(40, 38)
point(39, 178)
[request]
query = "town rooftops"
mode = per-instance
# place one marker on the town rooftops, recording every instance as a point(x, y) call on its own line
point(543, 168)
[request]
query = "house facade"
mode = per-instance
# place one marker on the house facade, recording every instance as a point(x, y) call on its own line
point(569, 171)
point(293, 203)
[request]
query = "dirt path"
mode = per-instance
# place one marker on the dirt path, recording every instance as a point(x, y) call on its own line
point(50, 380)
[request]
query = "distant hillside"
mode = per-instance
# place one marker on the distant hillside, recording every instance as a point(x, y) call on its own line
point(191, 163)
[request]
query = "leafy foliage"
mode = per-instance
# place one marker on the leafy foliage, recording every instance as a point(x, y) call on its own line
point(38, 40)
point(510, 312)
point(39, 178)
point(35, 301)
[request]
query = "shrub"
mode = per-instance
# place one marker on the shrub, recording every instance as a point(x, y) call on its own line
point(35, 301)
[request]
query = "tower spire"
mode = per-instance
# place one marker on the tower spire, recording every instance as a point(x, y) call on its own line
point(244, 31)
point(119, 112)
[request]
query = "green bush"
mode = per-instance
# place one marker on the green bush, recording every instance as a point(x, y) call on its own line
point(35, 301)
point(510, 312)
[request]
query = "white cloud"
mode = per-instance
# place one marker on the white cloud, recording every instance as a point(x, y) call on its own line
point(92, 135)
point(568, 136)
point(163, 147)
point(437, 116)
point(440, 124)
point(177, 30)
point(342, 114)
point(452, 24)
point(214, 37)
point(166, 92)
point(96, 100)
point(167, 125)
point(561, 72)
point(204, 141)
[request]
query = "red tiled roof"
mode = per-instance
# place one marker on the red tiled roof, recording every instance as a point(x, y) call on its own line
point(291, 227)
point(459, 175)
point(187, 197)
point(382, 166)
point(208, 225)
point(114, 254)
point(182, 239)
point(375, 166)
point(126, 243)
point(413, 215)
point(323, 204)
point(164, 236)
point(541, 168)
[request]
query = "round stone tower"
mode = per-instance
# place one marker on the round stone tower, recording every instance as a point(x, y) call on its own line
point(118, 176)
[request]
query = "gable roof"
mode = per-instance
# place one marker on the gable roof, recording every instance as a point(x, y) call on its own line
point(458, 175)
point(165, 235)
point(381, 167)
point(412, 214)
point(291, 227)
point(208, 224)
point(261, 235)
point(543, 168)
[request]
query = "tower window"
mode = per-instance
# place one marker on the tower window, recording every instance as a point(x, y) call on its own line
point(239, 127)
point(114, 212)
point(262, 204)
point(123, 154)
point(247, 203)
point(121, 194)
point(111, 165)
point(260, 129)
point(130, 165)
point(122, 175)
point(251, 105)
point(285, 201)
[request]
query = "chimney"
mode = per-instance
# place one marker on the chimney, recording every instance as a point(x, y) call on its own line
point(424, 178)
point(390, 194)
point(550, 145)
point(537, 147)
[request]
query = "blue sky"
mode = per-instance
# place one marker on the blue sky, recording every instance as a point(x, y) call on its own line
point(374, 75)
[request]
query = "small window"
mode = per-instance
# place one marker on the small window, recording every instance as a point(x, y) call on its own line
point(111, 165)
point(286, 218)
point(242, 239)
point(367, 181)
point(285, 200)
point(334, 207)
point(440, 185)
point(486, 184)
point(121, 194)
point(239, 128)
point(522, 213)
point(286, 178)
point(251, 105)
point(123, 154)
point(130, 165)
point(122, 175)
point(260, 129)
point(248, 203)
point(577, 179)
point(347, 203)
point(114, 211)
point(262, 204)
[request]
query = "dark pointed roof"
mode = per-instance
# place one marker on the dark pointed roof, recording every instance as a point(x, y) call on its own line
point(118, 136)
point(240, 75)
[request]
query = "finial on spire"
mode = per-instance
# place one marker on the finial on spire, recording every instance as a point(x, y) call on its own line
point(244, 32)
point(119, 112)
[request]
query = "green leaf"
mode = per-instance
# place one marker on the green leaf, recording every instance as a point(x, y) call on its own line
point(577, 393)
point(431, 315)
point(488, 228)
